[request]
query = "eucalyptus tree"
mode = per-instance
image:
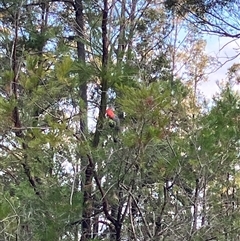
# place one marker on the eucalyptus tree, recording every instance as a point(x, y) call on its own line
point(217, 17)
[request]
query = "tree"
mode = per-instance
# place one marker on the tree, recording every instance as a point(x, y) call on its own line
point(209, 16)
point(35, 87)
point(161, 173)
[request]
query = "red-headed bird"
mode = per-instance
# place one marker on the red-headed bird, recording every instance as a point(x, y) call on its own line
point(111, 115)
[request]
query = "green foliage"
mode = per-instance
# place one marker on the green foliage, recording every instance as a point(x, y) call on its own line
point(63, 69)
point(199, 7)
point(171, 166)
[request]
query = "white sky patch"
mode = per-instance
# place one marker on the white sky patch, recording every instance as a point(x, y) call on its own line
point(227, 51)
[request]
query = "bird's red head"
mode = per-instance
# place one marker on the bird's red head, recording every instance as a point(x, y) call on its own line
point(109, 113)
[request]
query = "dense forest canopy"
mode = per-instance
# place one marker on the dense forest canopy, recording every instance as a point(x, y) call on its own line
point(103, 132)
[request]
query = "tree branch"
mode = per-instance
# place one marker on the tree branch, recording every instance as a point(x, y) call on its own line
point(104, 199)
point(104, 82)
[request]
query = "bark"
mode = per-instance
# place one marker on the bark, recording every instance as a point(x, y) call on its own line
point(132, 28)
point(86, 224)
point(80, 30)
point(159, 219)
point(81, 53)
point(102, 110)
point(195, 209)
point(14, 92)
point(14, 84)
point(87, 204)
point(104, 82)
point(121, 38)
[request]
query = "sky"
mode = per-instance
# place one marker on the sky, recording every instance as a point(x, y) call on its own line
point(224, 49)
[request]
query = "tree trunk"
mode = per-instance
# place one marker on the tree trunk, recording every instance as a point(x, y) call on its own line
point(81, 57)
point(86, 225)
